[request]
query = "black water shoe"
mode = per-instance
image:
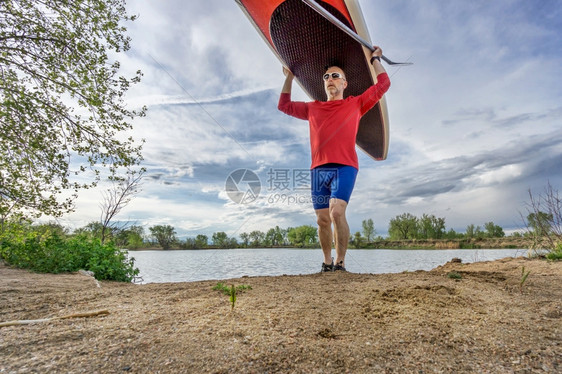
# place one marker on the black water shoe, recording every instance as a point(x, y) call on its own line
point(338, 266)
point(326, 268)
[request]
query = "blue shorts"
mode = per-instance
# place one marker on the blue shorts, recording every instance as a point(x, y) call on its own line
point(331, 181)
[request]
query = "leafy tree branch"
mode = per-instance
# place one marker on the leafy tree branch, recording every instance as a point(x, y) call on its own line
point(62, 101)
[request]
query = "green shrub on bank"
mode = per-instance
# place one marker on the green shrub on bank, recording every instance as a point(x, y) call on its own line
point(51, 252)
point(555, 254)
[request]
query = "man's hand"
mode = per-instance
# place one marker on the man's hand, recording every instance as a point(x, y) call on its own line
point(377, 52)
point(288, 73)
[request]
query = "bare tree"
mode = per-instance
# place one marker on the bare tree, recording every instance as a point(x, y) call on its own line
point(117, 197)
point(544, 218)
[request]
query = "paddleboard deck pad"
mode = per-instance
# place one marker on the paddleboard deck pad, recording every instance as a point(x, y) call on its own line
point(307, 43)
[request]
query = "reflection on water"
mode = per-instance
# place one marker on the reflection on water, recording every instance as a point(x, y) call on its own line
point(195, 265)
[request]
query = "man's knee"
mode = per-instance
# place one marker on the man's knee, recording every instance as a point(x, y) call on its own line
point(337, 210)
point(323, 219)
point(337, 215)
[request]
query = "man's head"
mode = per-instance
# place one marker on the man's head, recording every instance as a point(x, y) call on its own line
point(334, 83)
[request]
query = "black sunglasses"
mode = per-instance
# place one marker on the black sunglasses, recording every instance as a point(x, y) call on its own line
point(334, 75)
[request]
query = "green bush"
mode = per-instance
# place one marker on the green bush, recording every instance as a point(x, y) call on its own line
point(51, 252)
point(555, 254)
point(467, 245)
point(454, 275)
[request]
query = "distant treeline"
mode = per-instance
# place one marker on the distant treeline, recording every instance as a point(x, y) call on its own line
point(403, 227)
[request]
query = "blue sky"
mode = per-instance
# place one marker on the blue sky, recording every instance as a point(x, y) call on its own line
point(474, 124)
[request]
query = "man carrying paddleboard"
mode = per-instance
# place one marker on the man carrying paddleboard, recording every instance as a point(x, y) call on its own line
point(333, 128)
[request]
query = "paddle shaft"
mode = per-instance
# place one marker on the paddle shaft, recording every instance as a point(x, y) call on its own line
point(343, 27)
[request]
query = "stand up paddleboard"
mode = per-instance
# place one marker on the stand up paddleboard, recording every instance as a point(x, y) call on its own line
point(307, 43)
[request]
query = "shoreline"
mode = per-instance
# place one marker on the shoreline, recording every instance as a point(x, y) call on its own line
point(473, 243)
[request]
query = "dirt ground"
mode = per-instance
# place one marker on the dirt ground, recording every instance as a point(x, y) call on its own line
point(421, 322)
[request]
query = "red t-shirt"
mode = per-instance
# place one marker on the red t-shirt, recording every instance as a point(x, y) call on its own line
point(334, 124)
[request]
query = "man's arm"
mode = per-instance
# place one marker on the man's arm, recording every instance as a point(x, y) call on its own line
point(288, 81)
point(374, 93)
point(295, 109)
point(376, 61)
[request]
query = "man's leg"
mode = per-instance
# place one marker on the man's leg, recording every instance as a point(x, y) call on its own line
point(342, 187)
point(341, 228)
point(325, 233)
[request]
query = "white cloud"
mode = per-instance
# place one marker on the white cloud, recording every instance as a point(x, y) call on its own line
point(475, 121)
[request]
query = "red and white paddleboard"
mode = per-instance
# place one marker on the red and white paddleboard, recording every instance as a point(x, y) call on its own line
point(306, 42)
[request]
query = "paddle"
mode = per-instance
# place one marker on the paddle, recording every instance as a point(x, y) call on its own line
point(339, 24)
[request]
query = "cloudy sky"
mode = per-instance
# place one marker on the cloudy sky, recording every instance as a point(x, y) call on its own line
point(474, 123)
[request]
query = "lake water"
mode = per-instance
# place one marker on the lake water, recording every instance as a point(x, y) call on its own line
point(196, 265)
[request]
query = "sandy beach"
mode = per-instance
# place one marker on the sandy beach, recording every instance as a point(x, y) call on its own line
point(423, 322)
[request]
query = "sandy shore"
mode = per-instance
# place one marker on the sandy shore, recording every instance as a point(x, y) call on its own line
point(421, 322)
